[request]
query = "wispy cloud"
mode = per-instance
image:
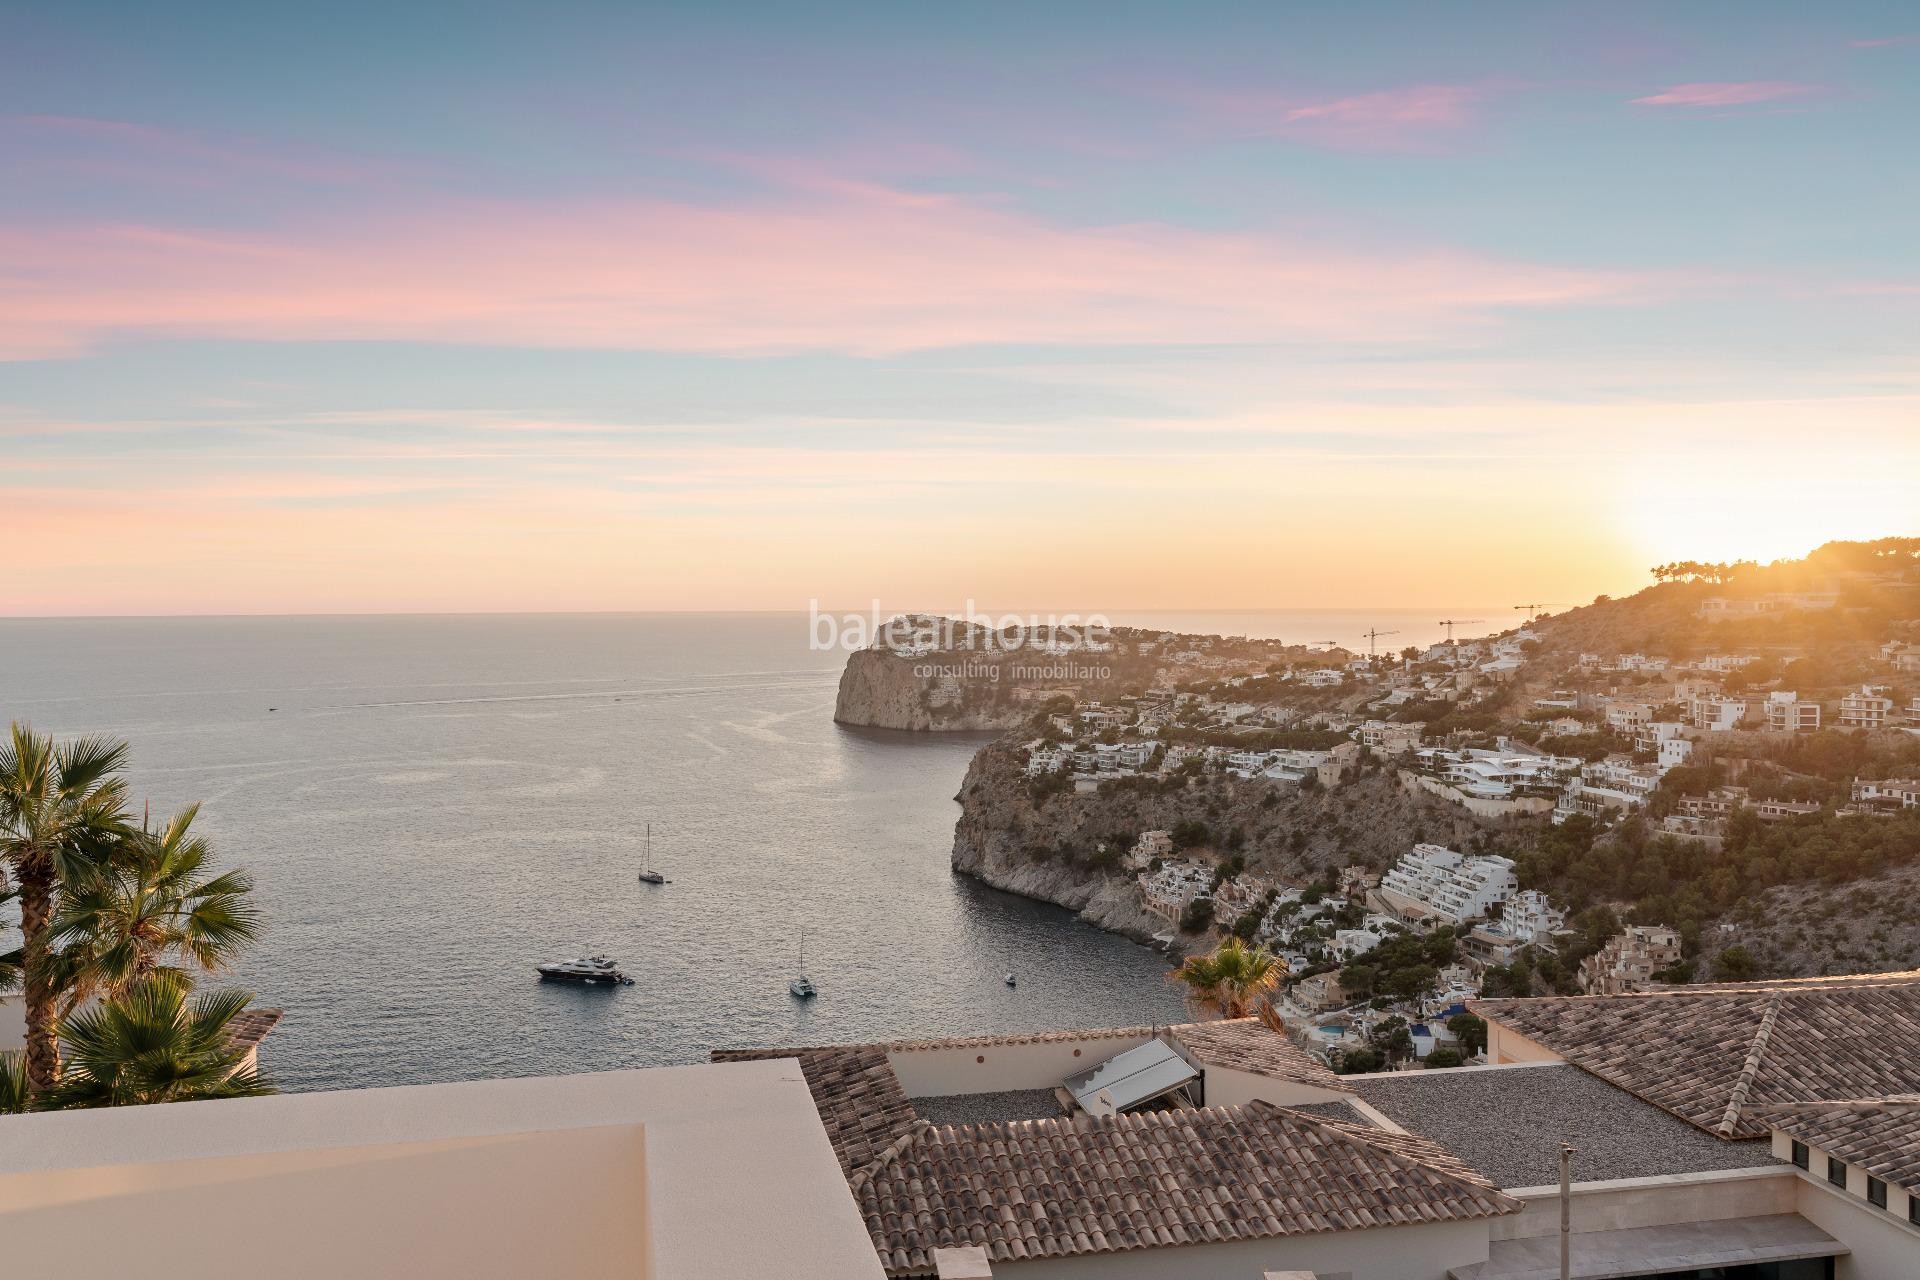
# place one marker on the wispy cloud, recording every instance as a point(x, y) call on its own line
point(843, 266)
point(1883, 42)
point(1726, 93)
point(161, 156)
point(1406, 118)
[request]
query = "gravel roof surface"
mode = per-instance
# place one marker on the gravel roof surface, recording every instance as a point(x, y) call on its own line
point(1333, 1111)
point(1508, 1123)
point(983, 1108)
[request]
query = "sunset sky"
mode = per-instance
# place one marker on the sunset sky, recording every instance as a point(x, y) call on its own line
point(416, 307)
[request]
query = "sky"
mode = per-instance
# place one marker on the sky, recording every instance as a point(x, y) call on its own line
point(371, 308)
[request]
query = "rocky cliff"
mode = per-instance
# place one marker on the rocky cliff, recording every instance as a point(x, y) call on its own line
point(1064, 847)
point(886, 691)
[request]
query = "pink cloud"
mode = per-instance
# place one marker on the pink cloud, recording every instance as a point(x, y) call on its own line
point(1407, 118)
point(1726, 93)
point(839, 266)
point(1885, 42)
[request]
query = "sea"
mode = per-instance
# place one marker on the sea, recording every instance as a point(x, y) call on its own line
point(432, 805)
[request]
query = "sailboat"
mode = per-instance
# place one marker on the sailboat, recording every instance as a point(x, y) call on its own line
point(802, 986)
point(647, 874)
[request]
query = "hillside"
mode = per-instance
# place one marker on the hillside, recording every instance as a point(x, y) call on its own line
point(1257, 757)
point(1864, 925)
point(1065, 846)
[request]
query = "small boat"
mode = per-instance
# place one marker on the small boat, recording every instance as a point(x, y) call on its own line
point(802, 986)
point(592, 971)
point(1012, 981)
point(647, 874)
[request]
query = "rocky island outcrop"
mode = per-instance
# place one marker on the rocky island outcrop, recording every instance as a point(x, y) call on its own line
point(885, 690)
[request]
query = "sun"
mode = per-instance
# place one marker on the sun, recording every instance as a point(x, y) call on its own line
point(1730, 512)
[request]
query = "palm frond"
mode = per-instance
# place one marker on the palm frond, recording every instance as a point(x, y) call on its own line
point(150, 1045)
point(14, 1094)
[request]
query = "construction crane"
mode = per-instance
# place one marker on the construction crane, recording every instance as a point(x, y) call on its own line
point(1451, 623)
point(1532, 609)
point(1373, 636)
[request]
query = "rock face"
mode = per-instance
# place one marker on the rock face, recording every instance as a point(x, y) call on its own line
point(882, 690)
point(1050, 846)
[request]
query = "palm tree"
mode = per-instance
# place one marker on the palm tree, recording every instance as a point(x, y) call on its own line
point(152, 1045)
point(149, 911)
point(61, 810)
point(1235, 981)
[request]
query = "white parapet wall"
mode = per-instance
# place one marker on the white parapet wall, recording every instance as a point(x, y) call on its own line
point(718, 1170)
point(1654, 1202)
point(940, 1069)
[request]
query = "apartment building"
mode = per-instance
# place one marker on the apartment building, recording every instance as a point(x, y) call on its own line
point(1629, 960)
point(1168, 891)
point(1668, 740)
point(1432, 881)
point(1788, 712)
point(1866, 708)
point(1528, 918)
point(1715, 714)
point(1388, 738)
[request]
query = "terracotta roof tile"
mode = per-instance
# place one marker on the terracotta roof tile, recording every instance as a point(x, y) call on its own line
point(1054, 1188)
point(1880, 1135)
point(1247, 1044)
point(1711, 1054)
point(859, 1099)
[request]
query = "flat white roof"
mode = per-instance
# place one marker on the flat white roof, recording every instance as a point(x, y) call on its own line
point(735, 1172)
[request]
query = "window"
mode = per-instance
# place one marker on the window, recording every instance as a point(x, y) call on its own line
point(1913, 1208)
point(1877, 1192)
point(1836, 1172)
point(1801, 1156)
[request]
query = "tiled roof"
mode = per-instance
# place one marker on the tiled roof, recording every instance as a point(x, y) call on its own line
point(1708, 1054)
point(859, 1099)
point(1055, 1188)
point(1880, 1135)
point(1247, 1044)
point(250, 1026)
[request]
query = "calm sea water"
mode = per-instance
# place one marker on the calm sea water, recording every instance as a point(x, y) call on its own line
point(431, 805)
